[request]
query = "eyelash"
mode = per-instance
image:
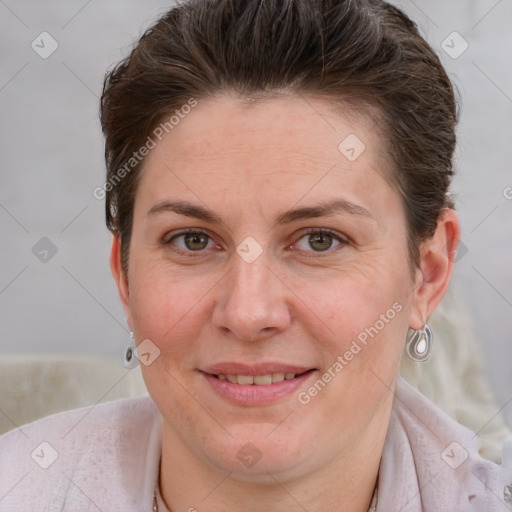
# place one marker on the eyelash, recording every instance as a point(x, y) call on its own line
point(189, 254)
point(343, 241)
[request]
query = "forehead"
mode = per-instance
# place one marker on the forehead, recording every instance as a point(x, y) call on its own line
point(228, 122)
point(301, 145)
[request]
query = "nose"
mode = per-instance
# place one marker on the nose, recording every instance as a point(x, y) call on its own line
point(253, 302)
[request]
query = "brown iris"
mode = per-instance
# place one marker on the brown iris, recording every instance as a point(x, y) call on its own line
point(320, 241)
point(196, 241)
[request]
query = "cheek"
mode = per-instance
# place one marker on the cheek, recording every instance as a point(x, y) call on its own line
point(168, 307)
point(354, 298)
point(363, 322)
point(360, 321)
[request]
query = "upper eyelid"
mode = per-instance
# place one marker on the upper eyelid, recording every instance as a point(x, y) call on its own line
point(166, 240)
point(169, 236)
point(327, 231)
point(302, 233)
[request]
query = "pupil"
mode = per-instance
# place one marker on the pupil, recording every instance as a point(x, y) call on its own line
point(320, 241)
point(196, 241)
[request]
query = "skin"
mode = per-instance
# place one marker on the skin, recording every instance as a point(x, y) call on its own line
point(293, 304)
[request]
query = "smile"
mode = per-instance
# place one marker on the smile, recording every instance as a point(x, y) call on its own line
point(265, 388)
point(257, 380)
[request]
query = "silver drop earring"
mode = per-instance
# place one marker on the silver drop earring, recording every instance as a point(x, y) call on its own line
point(419, 344)
point(130, 359)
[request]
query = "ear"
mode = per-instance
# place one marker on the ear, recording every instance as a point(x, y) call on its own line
point(437, 257)
point(120, 278)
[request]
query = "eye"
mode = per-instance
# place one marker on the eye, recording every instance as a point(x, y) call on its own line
point(191, 241)
point(319, 240)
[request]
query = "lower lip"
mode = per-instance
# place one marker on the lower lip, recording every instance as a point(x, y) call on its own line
point(256, 395)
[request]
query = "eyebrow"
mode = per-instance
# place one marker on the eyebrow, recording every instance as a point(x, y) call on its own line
point(322, 210)
point(187, 209)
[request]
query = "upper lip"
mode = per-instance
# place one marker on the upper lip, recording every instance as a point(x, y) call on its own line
point(264, 368)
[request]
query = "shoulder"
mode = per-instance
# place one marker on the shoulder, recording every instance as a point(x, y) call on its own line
point(112, 419)
point(94, 449)
point(439, 460)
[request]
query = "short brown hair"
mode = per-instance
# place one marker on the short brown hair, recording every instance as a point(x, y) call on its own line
point(345, 50)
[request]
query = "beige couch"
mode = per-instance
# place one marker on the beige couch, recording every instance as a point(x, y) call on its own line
point(34, 385)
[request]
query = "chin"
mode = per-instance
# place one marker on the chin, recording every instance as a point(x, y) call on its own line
point(261, 458)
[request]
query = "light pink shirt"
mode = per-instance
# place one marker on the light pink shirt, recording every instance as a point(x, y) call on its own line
point(106, 458)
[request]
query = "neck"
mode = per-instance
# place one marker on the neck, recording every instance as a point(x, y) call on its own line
point(188, 483)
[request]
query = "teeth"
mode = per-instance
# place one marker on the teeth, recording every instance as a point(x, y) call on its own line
point(245, 379)
point(257, 380)
point(261, 380)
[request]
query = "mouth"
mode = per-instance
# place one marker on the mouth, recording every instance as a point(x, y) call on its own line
point(256, 386)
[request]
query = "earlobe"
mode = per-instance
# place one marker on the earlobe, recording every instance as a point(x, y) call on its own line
point(120, 277)
point(436, 266)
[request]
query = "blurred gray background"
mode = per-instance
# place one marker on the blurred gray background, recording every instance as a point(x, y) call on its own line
point(56, 292)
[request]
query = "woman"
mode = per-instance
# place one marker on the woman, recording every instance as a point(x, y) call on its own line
point(277, 188)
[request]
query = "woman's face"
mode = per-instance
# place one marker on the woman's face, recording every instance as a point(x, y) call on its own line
point(268, 244)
